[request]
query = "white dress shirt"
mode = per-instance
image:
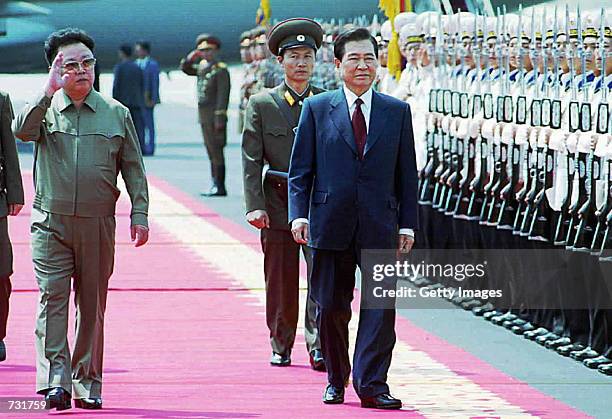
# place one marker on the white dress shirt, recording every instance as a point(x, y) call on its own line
point(366, 107)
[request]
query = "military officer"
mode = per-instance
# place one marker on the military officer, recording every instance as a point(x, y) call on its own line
point(11, 203)
point(270, 121)
point(213, 89)
point(83, 140)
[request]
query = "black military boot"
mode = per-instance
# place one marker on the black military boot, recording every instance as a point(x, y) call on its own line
point(218, 176)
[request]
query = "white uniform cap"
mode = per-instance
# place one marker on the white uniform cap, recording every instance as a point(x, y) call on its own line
point(428, 23)
point(385, 31)
point(403, 19)
point(410, 33)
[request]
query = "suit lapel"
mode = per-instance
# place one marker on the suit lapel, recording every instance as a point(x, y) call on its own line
point(378, 119)
point(340, 117)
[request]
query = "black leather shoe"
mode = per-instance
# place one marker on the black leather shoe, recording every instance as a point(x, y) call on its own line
point(520, 329)
point(2, 351)
point(554, 344)
point(490, 315)
point(586, 353)
point(470, 304)
point(546, 337)
point(482, 310)
point(333, 395)
point(504, 317)
point(594, 363)
point(382, 401)
point(215, 191)
point(58, 398)
point(568, 349)
point(605, 369)
point(533, 334)
point(316, 360)
point(516, 322)
point(280, 360)
point(92, 404)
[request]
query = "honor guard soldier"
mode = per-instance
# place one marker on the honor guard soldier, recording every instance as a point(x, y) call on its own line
point(269, 129)
point(213, 89)
point(11, 203)
point(387, 83)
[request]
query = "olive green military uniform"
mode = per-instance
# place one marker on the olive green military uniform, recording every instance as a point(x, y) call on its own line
point(268, 138)
point(213, 89)
point(79, 154)
point(11, 192)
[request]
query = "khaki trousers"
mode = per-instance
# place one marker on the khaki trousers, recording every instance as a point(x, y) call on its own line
point(82, 249)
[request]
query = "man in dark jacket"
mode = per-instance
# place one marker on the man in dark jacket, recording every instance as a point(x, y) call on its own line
point(11, 202)
point(128, 89)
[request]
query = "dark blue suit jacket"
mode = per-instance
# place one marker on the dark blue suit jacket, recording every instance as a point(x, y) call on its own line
point(128, 84)
point(150, 71)
point(343, 196)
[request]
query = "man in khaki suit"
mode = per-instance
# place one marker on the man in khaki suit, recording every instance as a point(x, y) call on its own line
point(11, 203)
point(270, 119)
point(83, 141)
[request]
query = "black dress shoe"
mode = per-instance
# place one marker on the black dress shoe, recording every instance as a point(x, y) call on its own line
point(482, 310)
point(333, 395)
point(280, 360)
point(520, 329)
point(533, 334)
point(554, 344)
point(594, 363)
point(316, 360)
point(92, 404)
point(2, 351)
point(568, 349)
point(382, 401)
point(546, 337)
point(516, 322)
point(490, 315)
point(586, 353)
point(215, 191)
point(470, 304)
point(58, 398)
point(605, 369)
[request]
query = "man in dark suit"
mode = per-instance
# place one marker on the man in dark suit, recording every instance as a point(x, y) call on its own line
point(128, 89)
point(268, 135)
point(353, 186)
point(11, 203)
point(150, 70)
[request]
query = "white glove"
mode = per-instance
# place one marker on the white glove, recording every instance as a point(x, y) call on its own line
point(497, 134)
point(571, 142)
point(522, 134)
point(475, 125)
point(507, 135)
point(609, 151)
point(431, 122)
point(446, 120)
point(585, 142)
point(454, 125)
point(543, 136)
point(533, 137)
point(488, 128)
point(557, 140)
point(463, 131)
point(602, 144)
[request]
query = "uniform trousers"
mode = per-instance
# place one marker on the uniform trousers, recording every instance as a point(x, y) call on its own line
point(81, 249)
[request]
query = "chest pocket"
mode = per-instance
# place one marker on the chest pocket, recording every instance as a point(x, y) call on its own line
point(276, 131)
point(99, 148)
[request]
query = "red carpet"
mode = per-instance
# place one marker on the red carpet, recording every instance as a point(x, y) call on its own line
point(185, 339)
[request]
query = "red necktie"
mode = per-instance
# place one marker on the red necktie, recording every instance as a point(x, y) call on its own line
point(359, 128)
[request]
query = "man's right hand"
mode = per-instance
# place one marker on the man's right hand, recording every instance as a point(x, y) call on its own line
point(194, 55)
point(258, 219)
point(300, 232)
point(55, 80)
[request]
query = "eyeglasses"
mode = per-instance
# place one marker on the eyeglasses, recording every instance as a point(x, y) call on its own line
point(86, 64)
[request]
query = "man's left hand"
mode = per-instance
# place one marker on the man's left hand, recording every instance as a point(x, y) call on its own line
point(140, 234)
point(14, 209)
point(405, 243)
